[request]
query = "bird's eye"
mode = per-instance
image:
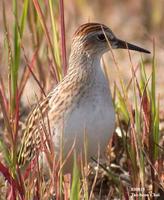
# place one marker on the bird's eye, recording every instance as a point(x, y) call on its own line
point(101, 37)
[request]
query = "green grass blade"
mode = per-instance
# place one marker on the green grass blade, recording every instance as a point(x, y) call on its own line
point(153, 92)
point(16, 56)
point(55, 36)
point(75, 189)
point(43, 23)
point(156, 133)
point(121, 106)
point(154, 109)
point(23, 17)
point(18, 34)
point(6, 153)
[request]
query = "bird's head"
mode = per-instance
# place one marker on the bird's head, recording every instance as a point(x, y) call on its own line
point(96, 38)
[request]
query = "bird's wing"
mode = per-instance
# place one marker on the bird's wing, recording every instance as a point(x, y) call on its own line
point(31, 139)
point(51, 109)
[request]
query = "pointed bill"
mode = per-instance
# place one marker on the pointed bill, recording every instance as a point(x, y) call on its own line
point(120, 44)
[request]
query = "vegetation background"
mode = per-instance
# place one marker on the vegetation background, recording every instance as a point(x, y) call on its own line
point(34, 51)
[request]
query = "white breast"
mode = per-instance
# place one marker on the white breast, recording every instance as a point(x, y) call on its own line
point(94, 114)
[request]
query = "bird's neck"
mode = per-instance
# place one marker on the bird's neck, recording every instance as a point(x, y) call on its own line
point(85, 69)
point(85, 62)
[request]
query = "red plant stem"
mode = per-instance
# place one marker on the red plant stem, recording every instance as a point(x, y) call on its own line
point(2, 88)
point(5, 115)
point(12, 182)
point(39, 11)
point(26, 72)
point(30, 67)
point(11, 194)
point(62, 34)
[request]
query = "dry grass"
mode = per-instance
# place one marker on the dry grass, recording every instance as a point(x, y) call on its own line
point(33, 37)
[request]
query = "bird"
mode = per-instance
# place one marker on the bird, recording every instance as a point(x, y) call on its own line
point(81, 102)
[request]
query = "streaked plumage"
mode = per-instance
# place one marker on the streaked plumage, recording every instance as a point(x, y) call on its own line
point(82, 101)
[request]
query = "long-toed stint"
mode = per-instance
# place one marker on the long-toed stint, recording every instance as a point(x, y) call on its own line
point(81, 102)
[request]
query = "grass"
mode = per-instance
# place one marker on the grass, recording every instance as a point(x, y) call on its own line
point(137, 118)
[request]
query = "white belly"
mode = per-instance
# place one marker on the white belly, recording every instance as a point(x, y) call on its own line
point(93, 116)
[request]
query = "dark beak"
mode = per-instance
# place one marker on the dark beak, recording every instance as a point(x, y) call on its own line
point(120, 44)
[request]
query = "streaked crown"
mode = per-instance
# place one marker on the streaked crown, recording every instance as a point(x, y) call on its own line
point(90, 28)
